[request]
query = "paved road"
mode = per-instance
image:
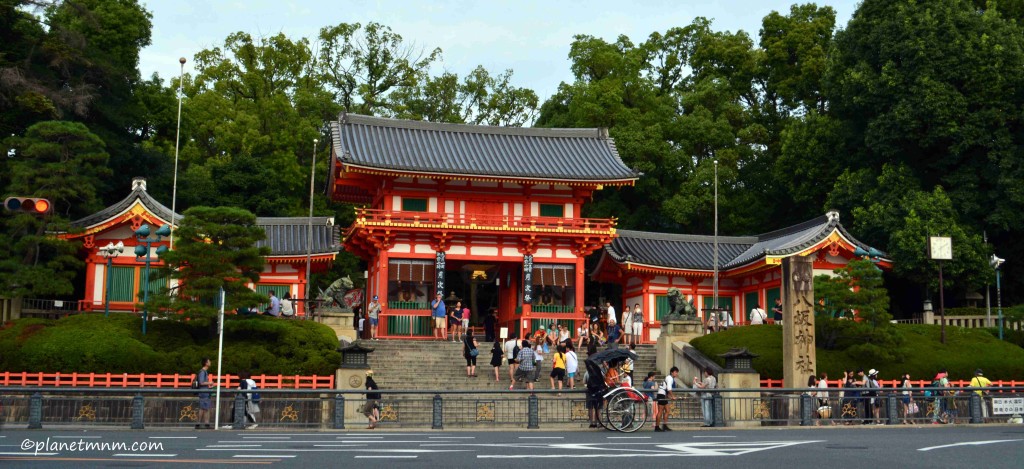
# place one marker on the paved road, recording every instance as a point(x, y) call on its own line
point(874, 447)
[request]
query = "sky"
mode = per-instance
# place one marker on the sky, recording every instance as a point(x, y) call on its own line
point(530, 37)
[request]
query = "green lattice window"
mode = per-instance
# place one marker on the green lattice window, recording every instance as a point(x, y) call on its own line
point(552, 210)
point(724, 302)
point(770, 297)
point(122, 284)
point(750, 300)
point(661, 307)
point(414, 205)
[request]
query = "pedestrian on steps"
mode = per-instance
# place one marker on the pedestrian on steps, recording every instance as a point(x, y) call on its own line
point(572, 364)
point(511, 349)
point(558, 367)
point(497, 353)
point(470, 352)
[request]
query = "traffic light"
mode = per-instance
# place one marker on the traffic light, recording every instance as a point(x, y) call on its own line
point(31, 205)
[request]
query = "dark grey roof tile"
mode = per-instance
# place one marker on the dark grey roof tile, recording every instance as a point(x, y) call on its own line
point(512, 152)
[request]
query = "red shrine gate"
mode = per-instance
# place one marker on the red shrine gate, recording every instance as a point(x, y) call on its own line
point(491, 211)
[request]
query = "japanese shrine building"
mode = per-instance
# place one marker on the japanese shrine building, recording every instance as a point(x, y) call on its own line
point(284, 271)
point(488, 215)
point(647, 264)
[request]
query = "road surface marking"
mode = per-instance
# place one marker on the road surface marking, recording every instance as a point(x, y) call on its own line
point(389, 457)
point(541, 437)
point(628, 437)
point(452, 437)
point(714, 436)
point(263, 456)
point(173, 437)
point(234, 446)
point(384, 434)
point(965, 443)
point(145, 455)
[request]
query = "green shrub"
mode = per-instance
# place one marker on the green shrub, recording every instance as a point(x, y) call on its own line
point(94, 343)
point(921, 351)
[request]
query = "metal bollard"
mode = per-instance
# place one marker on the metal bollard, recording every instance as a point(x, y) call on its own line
point(806, 404)
point(339, 412)
point(975, 405)
point(718, 409)
point(138, 411)
point(438, 413)
point(891, 408)
point(532, 412)
point(239, 415)
point(35, 411)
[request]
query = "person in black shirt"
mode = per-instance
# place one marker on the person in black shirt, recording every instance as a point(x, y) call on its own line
point(371, 409)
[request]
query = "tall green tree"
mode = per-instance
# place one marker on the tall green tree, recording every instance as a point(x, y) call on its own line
point(933, 88)
point(215, 248)
point(65, 163)
point(856, 288)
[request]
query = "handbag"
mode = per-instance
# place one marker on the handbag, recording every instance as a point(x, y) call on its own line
point(474, 352)
point(912, 408)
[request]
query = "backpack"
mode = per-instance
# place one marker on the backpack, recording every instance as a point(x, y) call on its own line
point(935, 385)
point(515, 352)
point(195, 382)
point(255, 397)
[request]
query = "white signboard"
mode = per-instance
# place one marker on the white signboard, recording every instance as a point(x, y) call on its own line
point(504, 333)
point(1007, 406)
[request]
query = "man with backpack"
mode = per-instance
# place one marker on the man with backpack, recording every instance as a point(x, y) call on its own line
point(202, 381)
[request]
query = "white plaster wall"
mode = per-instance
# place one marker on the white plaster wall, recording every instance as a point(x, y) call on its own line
point(569, 211)
point(518, 209)
point(457, 250)
point(534, 209)
point(432, 205)
point(660, 279)
point(449, 206)
point(99, 282)
point(423, 249)
point(510, 252)
point(564, 254)
point(396, 203)
point(401, 248)
point(543, 252)
point(633, 281)
point(287, 268)
point(483, 251)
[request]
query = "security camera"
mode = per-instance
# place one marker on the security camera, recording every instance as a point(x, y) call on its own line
point(995, 261)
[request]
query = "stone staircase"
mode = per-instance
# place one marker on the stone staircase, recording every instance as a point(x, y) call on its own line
point(434, 365)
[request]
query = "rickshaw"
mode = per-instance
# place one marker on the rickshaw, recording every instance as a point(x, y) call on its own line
point(625, 408)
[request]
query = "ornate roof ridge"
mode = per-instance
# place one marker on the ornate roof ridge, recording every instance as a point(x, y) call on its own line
point(360, 119)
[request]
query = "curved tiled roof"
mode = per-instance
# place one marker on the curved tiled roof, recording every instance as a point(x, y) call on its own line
point(696, 252)
point(138, 193)
point(290, 235)
point(286, 236)
point(475, 150)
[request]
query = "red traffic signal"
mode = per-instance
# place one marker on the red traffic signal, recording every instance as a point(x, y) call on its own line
point(30, 205)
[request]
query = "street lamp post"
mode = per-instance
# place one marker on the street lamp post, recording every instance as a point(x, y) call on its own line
point(309, 232)
point(177, 138)
point(109, 252)
point(143, 249)
point(995, 262)
point(715, 286)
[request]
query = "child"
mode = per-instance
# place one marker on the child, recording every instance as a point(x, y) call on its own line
point(649, 387)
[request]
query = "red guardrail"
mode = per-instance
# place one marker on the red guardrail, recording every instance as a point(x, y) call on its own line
point(158, 380)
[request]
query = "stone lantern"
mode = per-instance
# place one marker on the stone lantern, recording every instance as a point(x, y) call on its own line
point(739, 373)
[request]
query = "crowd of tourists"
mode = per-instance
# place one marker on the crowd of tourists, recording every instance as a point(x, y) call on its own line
point(859, 397)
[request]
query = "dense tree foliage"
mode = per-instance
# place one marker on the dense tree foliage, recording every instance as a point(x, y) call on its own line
point(215, 249)
point(907, 120)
